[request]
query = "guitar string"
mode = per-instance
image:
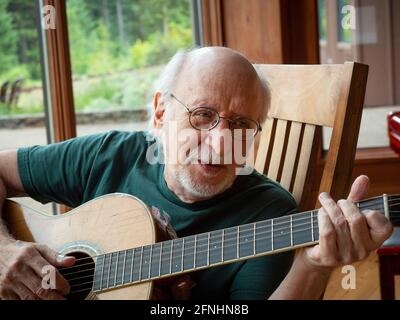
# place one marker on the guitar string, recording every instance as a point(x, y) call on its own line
point(392, 204)
point(240, 237)
point(201, 246)
point(200, 251)
point(260, 227)
point(277, 223)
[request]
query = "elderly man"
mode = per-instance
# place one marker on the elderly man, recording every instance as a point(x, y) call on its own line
point(203, 97)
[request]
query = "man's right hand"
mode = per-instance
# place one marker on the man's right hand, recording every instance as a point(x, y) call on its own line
point(21, 265)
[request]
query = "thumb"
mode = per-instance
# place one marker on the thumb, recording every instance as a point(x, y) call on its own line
point(56, 259)
point(359, 188)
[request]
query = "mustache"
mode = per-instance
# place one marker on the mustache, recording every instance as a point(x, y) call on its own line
point(205, 156)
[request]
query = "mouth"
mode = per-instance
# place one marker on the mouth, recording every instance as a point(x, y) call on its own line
point(211, 169)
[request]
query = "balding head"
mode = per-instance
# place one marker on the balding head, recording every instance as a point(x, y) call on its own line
point(216, 70)
point(195, 88)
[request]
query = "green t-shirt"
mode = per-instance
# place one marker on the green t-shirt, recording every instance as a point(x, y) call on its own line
point(78, 170)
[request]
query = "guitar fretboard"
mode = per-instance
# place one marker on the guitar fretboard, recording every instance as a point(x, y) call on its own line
point(208, 249)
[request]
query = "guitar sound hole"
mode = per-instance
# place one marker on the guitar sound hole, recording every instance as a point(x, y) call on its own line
point(79, 276)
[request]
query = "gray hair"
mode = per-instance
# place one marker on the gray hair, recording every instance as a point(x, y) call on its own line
point(166, 81)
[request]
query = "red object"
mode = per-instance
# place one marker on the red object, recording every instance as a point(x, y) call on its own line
point(389, 254)
point(394, 131)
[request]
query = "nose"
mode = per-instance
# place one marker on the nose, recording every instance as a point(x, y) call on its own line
point(220, 139)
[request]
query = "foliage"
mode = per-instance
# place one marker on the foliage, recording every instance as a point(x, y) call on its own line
point(8, 48)
point(107, 38)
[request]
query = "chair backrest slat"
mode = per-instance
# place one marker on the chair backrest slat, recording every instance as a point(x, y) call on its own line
point(303, 163)
point(289, 167)
point(302, 99)
point(278, 150)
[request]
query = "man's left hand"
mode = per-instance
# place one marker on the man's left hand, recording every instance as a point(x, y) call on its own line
point(345, 234)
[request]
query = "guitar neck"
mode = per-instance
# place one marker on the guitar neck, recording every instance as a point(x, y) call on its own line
point(209, 249)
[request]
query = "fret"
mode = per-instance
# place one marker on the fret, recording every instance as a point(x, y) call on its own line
point(312, 227)
point(237, 242)
point(208, 249)
point(254, 237)
point(230, 242)
point(189, 252)
point(166, 257)
point(151, 254)
point(195, 249)
point(155, 259)
point(129, 266)
point(107, 270)
point(113, 267)
point(170, 259)
point(302, 228)
point(183, 251)
point(282, 232)
point(215, 246)
point(118, 270)
point(272, 235)
point(111, 270)
point(263, 236)
point(102, 271)
point(201, 250)
point(145, 262)
point(177, 255)
point(140, 263)
point(159, 267)
point(223, 235)
point(136, 266)
point(315, 224)
point(123, 268)
point(291, 230)
point(246, 240)
point(98, 272)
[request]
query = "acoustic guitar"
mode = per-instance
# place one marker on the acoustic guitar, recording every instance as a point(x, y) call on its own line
point(120, 255)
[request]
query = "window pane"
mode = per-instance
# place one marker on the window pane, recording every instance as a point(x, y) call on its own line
point(118, 48)
point(368, 33)
point(21, 93)
point(322, 19)
point(344, 31)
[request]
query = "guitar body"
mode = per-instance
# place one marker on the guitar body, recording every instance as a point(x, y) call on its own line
point(106, 224)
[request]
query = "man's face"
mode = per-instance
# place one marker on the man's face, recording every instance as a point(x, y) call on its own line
point(205, 162)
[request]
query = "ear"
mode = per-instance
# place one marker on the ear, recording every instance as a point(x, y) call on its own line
point(159, 111)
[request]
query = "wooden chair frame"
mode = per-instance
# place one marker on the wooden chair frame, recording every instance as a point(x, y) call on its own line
point(303, 99)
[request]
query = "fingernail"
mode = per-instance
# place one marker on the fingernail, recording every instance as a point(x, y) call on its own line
point(60, 258)
point(323, 195)
point(366, 211)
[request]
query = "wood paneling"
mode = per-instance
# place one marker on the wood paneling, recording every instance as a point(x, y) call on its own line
point(266, 31)
point(395, 18)
point(300, 39)
point(212, 23)
point(254, 28)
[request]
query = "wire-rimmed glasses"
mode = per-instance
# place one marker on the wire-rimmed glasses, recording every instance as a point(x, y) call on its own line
point(206, 118)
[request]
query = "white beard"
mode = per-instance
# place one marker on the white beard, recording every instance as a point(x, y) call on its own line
point(198, 189)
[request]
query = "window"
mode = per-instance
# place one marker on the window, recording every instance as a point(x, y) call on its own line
point(22, 103)
point(118, 48)
point(21, 92)
point(373, 41)
point(322, 19)
point(344, 33)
